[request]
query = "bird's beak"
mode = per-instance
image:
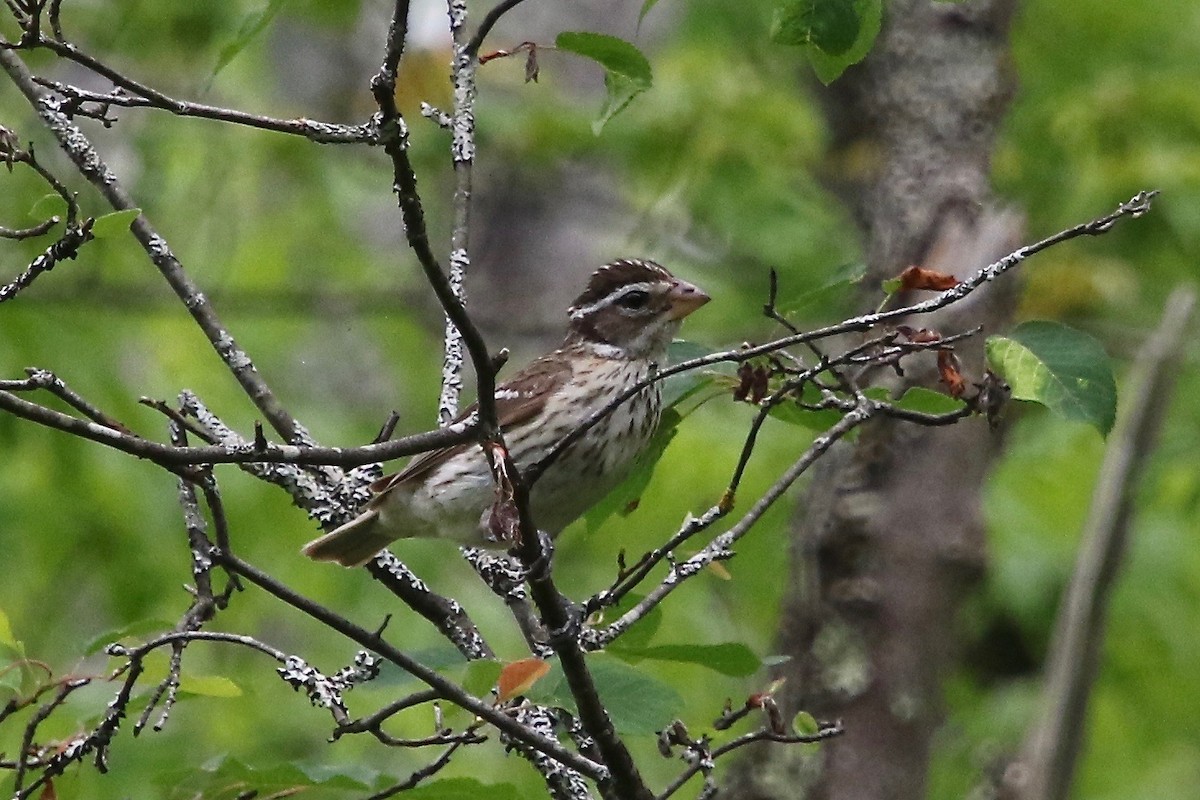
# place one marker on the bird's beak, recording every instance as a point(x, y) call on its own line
point(685, 298)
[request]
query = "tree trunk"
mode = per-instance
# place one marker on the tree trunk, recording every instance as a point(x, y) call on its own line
point(890, 537)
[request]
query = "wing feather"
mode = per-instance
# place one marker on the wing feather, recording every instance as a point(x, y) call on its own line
point(517, 402)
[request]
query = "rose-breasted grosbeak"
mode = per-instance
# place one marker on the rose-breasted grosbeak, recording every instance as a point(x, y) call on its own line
point(620, 328)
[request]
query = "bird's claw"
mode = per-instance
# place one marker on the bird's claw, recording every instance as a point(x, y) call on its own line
point(539, 569)
point(570, 629)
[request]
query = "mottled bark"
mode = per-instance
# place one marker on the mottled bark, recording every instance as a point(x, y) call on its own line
point(890, 536)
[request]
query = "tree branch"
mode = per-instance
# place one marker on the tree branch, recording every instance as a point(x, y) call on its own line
point(445, 688)
point(719, 548)
point(144, 97)
point(249, 453)
point(86, 159)
point(489, 21)
point(395, 139)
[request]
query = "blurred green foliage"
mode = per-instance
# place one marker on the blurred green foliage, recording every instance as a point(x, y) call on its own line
point(299, 246)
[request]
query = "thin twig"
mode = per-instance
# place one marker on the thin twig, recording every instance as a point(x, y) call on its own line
point(67, 247)
point(445, 613)
point(404, 183)
point(168, 456)
point(720, 547)
point(462, 150)
point(489, 21)
point(419, 775)
point(134, 94)
point(44, 379)
point(373, 721)
point(762, 735)
point(445, 688)
point(87, 160)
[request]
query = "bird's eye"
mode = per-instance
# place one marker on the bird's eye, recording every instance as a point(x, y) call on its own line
point(634, 300)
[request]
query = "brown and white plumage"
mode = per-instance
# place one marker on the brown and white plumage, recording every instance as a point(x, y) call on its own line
point(620, 328)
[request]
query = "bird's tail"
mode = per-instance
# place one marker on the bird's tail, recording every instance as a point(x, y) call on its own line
point(352, 544)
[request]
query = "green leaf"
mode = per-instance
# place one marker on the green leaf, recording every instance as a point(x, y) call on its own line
point(6, 633)
point(828, 66)
point(1063, 369)
point(114, 224)
point(12, 680)
point(252, 25)
point(678, 388)
point(832, 294)
point(636, 702)
point(615, 55)
point(805, 724)
point(828, 25)
point(790, 412)
point(218, 775)
point(209, 686)
point(52, 205)
point(135, 630)
point(18, 675)
point(627, 72)
point(927, 401)
point(462, 789)
point(481, 676)
point(729, 658)
point(646, 6)
point(620, 92)
point(891, 286)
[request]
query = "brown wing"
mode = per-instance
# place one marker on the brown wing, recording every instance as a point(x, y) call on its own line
point(517, 402)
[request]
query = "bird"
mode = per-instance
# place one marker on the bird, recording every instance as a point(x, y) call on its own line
point(618, 332)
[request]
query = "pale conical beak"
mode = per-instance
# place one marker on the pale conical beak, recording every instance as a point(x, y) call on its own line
point(685, 298)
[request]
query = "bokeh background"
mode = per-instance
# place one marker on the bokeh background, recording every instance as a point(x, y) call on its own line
point(718, 171)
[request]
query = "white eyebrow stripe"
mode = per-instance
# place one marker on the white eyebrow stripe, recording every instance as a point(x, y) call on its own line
point(582, 311)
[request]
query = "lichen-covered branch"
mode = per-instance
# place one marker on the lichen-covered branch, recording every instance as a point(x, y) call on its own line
point(87, 160)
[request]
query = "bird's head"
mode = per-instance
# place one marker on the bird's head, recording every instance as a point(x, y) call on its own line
point(632, 308)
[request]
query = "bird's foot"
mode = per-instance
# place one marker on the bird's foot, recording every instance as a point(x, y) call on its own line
point(539, 569)
point(569, 631)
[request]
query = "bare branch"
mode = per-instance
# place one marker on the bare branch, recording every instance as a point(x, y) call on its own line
point(419, 775)
point(64, 691)
point(489, 21)
point(445, 688)
point(67, 247)
point(445, 613)
point(247, 453)
point(761, 735)
point(130, 93)
point(373, 721)
point(462, 150)
point(395, 142)
point(91, 166)
point(720, 547)
point(313, 130)
point(563, 783)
